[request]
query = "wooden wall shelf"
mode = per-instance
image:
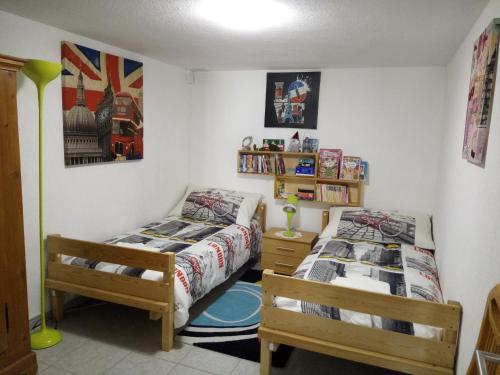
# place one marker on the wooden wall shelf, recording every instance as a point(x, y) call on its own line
point(292, 183)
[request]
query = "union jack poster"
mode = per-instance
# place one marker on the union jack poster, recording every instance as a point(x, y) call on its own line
point(102, 97)
point(292, 100)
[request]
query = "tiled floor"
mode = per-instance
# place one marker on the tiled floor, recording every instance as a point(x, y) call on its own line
point(112, 339)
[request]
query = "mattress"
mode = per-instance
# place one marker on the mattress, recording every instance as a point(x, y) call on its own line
point(206, 255)
point(396, 269)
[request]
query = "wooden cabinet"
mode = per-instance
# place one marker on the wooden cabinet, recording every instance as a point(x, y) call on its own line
point(283, 255)
point(16, 357)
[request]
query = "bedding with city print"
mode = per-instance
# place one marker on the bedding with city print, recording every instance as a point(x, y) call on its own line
point(218, 206)
point(381, 226)
point(207, 254)
point(392, 268)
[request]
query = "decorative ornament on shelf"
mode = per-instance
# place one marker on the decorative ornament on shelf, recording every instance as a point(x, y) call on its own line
point(41, 73)
point(246, 143)
point(290, 208)
point(294, 145)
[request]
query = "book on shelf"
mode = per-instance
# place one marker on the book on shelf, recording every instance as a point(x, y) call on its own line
point(338, 194)
point(363, 173)
point(329, 162)
point(305, 167)
point(279, 165)
point(306, 194)
point(350, 168)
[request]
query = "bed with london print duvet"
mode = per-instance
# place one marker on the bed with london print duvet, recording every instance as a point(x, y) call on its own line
point(206, 255)
point(397, 269)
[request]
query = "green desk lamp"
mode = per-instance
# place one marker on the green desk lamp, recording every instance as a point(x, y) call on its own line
point(290, 208)
point(41, 73)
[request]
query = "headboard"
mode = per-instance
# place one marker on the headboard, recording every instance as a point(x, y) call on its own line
point(261, 210)
point(489, 335)
point(325, 219)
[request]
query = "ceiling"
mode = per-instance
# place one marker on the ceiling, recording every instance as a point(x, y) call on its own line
point(322, 34)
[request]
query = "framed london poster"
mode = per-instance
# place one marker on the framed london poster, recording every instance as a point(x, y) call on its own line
point(292, 100)
point(102, 97)
point(480, 96)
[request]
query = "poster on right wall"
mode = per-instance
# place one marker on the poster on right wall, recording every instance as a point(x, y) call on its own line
point(480, 99)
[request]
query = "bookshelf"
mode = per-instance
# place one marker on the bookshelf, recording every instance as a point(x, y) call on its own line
point(288, 182)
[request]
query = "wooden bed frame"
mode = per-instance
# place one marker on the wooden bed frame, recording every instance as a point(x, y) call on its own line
point(382, 348)
point(155, 296)
point(489, 334)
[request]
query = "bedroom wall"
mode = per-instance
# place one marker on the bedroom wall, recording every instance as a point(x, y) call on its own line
point(95, 202)
point(468, 208)
point(390, 116)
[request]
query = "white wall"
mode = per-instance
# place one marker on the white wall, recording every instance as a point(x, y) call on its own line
point(95, 202)
point(468, 205)
point(390, 116)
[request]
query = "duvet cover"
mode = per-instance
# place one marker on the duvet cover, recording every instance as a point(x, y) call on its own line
point(206, 255)
point(397, 269)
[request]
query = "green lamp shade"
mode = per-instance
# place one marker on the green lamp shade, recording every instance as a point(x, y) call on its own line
point(290, 208)
point(42, 72)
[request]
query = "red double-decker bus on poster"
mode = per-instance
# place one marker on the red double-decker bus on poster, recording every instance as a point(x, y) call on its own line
point(127, 130)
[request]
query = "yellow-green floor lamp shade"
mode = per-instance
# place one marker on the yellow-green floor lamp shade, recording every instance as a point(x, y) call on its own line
point(41, 73)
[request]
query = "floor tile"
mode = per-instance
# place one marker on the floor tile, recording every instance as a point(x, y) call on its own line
point(41, 365)
point(51, 370)
point(210, 361)
point(245, 367)
point(177, 354)
point(136, 363)
point(69, 343)
point(184, 370)
point(92, 357)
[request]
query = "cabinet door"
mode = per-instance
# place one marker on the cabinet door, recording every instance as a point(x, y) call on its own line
point(3, 328)
point(13, 304)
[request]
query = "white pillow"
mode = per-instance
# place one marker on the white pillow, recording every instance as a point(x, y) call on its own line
point(219, 206)
point(384, 226)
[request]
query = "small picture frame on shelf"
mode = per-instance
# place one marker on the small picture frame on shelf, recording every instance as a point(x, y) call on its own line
point(310, 144)
point(273, 144)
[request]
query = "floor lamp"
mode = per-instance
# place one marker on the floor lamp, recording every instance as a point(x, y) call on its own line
point(41, 73)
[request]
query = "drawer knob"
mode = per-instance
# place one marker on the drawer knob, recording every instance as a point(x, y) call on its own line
point(285, 249)
point(283, 264)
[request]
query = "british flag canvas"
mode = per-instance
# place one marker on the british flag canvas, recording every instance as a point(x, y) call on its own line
point(102, 98)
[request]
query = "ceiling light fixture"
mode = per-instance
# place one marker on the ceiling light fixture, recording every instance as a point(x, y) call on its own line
point(244, 15)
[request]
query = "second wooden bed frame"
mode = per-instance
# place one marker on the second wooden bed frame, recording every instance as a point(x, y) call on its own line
point(155, 296)
point(382, 348)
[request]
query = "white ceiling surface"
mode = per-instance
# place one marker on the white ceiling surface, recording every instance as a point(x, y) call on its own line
point(323, 33)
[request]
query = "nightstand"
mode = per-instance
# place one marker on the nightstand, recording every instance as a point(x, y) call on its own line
point(283, 255)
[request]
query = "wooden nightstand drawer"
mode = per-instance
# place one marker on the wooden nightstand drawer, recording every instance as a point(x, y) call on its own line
point(280, 264)
point(287, 248)
point(283, 255)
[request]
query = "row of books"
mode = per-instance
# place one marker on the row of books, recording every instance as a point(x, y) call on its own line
point(332, 164)
point(255, 164)
point(332, 193)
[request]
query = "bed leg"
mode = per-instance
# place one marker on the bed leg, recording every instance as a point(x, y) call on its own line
point(167, 331)
point(57, 302)
point(265, 357)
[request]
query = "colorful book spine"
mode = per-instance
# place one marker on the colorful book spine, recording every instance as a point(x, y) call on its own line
point(329, 162)
point(350, 168)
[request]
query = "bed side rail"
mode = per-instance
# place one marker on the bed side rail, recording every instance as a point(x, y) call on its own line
point(123, 289)
point(371, 340)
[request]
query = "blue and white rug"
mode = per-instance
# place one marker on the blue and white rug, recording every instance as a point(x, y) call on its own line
point(229, 325)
